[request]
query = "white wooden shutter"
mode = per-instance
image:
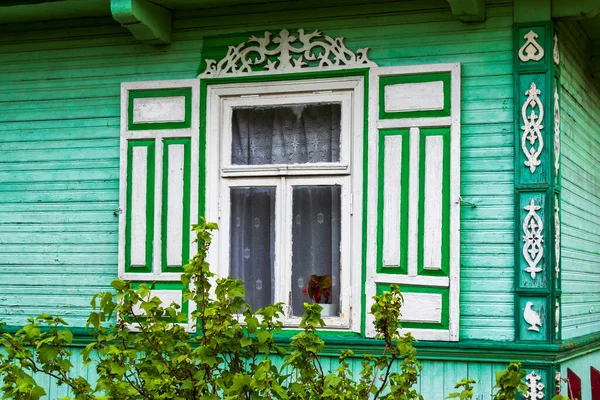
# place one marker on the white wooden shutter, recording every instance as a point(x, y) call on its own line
point(159, 178)
point(414, 178)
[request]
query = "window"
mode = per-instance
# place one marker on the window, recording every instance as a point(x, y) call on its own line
point(284, 178)
point(287, 170)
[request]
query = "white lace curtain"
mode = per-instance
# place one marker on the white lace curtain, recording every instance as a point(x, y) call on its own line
point(285, 135)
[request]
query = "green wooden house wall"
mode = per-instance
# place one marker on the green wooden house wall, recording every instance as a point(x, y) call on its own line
point(580, 187)
point(59, 165)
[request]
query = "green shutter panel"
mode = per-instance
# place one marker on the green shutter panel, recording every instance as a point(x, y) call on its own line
point(159, 178)
point(414, 153)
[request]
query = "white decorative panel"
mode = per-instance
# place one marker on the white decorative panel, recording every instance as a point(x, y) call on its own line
point(176, 153)
point(432, 235)
point(392, 194)
point(413, 201)
point(159, 109)
point(139, 171)
point(287, 52)
point(422, 307)
point(414, 96)
point(166, 296)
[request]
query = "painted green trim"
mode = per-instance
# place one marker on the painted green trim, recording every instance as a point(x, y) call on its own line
point(466, 350)
point(445, 267)
point(415, 78)
point(358, 72)
point(148, 22)
point(543, 182)
point(149, 93)
point(403, 267)
point(363, 283)
point(185, 248)
point(443, 291)
point(149, 205)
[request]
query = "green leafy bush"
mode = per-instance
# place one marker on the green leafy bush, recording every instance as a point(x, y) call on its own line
point(143, 351)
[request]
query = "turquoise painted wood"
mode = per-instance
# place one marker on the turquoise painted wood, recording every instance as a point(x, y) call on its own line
point(436, 381)
point(580, 173)
point(59, 139)
point(581, 366)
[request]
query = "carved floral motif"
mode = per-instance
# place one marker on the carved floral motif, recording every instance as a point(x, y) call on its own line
point(533, 249)
point(531, 50)
point(535, 388)
point(285, 53)
point(532, 127)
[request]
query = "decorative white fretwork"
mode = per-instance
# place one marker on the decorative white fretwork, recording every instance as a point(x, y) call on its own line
point(535, 387)
point(556, 54)
point(532, 127)
point(533, 249)
point(556, 131)
point(287, 53)
point(557, 316)
point(531, 50)
point(556, 239)
point(532, 317)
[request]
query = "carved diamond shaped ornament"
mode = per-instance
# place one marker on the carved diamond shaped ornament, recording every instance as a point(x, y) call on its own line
point(287, 53)
point(532, 141)
point(535, 387)
point(533, 249)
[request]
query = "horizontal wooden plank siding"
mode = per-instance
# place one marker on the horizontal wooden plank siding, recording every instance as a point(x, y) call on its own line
point(580, 171)
point(59, 138)
point(437, 378)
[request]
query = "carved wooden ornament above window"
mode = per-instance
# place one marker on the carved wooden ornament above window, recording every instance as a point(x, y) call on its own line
point(287, 53)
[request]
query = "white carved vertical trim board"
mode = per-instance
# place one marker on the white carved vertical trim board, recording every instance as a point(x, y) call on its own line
point(432, 216)
point(556, 130)
point(556, 55)
point(413, 202)
point(139, 193)
point(392, 200)
point(175, 201)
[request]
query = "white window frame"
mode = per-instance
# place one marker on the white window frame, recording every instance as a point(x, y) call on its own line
point(348, 173)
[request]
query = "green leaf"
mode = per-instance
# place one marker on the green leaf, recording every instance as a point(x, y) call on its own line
point(65, 335)
point(118, 284)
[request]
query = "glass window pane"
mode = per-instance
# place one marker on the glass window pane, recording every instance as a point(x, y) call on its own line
point(316, 248)
point(252, 241)
point(292, 134)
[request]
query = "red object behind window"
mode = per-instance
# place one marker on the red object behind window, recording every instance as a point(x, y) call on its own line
point(574, 387)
